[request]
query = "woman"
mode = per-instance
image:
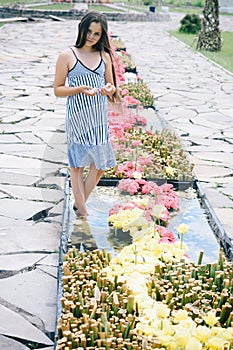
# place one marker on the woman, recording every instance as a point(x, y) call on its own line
point(88, 66)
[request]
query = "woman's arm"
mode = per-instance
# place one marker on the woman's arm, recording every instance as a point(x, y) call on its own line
point(109, 89)
point(61, 71)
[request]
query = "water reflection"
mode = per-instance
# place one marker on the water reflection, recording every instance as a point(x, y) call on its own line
point(94, 232)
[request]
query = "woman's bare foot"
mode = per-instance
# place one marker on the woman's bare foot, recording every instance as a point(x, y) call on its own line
point(78, 211)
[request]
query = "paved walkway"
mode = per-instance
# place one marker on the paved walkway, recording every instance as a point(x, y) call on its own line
point(192, 94)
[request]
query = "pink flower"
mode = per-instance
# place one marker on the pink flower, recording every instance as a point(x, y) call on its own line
point(136, 143)
point(124, 92)
point(166, 235)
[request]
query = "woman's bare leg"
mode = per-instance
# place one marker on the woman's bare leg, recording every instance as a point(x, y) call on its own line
point(77, 183)
point(91, 180)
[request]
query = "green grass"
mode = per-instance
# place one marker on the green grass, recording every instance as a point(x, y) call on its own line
point(102, 8)
point(224, 57)
point(53, 6)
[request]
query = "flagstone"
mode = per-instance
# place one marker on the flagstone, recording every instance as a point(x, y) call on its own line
point(50, 260)
point(12, 324)
point(221, 145)
point(222, 158)
point(215, 117)
point(228, 190)
point(38, 151)
point(212, 171)
point(192, 129)
point(7, 343)
point(216, 198)
point(48, 124)
point(16, 262)
point(28, 290)
point(8, 139)
point(56, 182)
point(228, 134)
point(57, 209)
point(182, 113)
point(23, 209)
point(32, 193)
point(29, 138)
point(3, 195)
point(52, 115)
point(28, 236)
point(50, 270)
point(223, 180)
point(14, 162)
point(226, 215)
point(9, 177)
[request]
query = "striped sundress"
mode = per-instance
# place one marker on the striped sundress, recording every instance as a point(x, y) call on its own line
point(87, 127)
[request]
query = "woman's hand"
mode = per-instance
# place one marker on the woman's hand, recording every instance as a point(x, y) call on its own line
point(88, 90)
point(108, 89)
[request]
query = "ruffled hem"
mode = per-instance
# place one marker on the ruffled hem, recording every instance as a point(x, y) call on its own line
point(83, 155)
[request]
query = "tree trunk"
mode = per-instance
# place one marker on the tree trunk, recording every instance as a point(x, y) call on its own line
point(209, 36)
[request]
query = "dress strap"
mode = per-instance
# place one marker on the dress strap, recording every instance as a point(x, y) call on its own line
point(74, 54)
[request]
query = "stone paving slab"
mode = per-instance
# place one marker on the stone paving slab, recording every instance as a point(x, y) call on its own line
point(29, 289)
point(17, 179)
point(32, 193)
point(15, 262)
point(14, 325)
point(8, 343)
point(19, 236)
point(23, 209)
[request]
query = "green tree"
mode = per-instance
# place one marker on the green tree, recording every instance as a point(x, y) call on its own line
point(209, 38)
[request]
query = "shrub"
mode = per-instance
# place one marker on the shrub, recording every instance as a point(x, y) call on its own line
point(191, 23)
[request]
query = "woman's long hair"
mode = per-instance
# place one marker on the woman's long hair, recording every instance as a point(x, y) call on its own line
point(103, 44)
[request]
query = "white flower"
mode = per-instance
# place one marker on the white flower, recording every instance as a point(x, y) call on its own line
point(137, 175)
point(182, 229)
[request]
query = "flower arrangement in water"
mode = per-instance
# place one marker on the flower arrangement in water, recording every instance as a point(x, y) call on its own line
point(150, 295)
point(157, 155)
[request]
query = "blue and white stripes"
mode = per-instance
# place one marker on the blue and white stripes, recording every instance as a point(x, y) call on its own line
point(87, 126)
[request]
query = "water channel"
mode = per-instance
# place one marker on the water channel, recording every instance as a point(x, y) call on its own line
point(94, 232)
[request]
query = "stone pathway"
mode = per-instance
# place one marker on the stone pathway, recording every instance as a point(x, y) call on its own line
point(192, 94)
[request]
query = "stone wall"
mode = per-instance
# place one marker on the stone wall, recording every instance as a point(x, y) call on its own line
point(8, 12)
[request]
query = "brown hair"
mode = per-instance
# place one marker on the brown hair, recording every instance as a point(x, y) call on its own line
point(103, 43)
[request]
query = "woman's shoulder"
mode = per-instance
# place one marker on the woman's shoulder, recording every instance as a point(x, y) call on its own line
point(66, 53)
point(106, 57)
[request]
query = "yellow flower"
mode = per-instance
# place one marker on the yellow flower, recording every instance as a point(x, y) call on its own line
point(181, 337)
point(182, 229)
point(202, 333)
point(215, 343)
point(193, 344)
point(169, 170)
point(187, 325)
point(227, 333)
point(180, 315)
point(163, 310)
point(211, 318)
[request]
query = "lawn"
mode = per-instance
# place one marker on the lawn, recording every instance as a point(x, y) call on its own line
point(224, 57)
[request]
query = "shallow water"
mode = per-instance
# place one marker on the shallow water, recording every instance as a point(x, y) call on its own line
point(94, 232)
